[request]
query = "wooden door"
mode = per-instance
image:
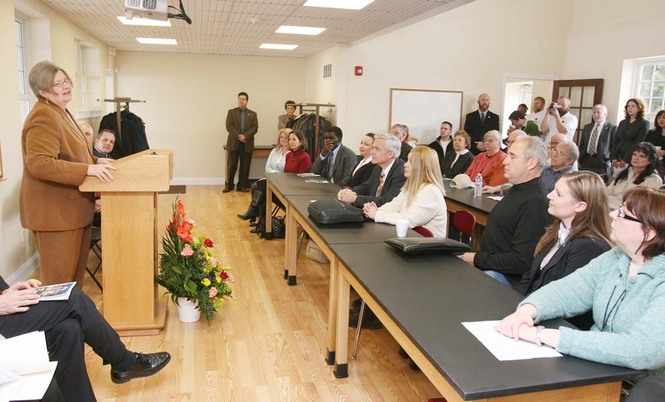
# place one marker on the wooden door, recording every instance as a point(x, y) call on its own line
point(583, 94)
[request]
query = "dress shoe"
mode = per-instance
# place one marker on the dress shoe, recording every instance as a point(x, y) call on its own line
point(247, 216)
point(145, 366)
point(242, 189)
point(370, 321)
point(253, 224)
point(227, 189)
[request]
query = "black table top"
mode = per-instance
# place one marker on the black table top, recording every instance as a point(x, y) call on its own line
point(465, 196)
point(367, 232)
point(429, 296)
point(291, 184)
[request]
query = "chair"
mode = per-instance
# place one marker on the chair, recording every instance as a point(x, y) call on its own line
point(95, 239)
point(424, 232)
point(465, 223)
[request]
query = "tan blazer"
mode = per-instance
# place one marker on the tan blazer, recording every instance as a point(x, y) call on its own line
point(233, 127)
point(56, 156)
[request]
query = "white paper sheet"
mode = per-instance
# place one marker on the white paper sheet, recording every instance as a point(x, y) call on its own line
point(495, 197)
point(504, 348)
point(25, 354)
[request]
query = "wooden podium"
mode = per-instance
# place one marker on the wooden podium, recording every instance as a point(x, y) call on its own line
point(131, 303)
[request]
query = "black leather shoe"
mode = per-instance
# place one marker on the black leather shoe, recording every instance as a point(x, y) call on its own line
point(227, 189)
point(145, 366)
point(247, 216)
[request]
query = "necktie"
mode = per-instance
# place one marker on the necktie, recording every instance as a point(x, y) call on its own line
point(242, 121)
point(330, 166)
point(482, 117)
point(593, 141)
point(378, 189)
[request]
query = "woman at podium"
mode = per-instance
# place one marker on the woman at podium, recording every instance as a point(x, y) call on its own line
point(57, 157)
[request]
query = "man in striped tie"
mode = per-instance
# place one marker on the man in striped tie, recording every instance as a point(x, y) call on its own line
point(596, 143)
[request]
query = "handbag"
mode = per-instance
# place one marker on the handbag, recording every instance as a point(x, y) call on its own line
point(278, 228)
point(428, 245)
point(334, 211)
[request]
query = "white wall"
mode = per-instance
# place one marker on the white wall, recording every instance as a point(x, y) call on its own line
point(187, 98)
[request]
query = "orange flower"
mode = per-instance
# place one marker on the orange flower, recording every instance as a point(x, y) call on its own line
point(183, 231)
point(181, 209)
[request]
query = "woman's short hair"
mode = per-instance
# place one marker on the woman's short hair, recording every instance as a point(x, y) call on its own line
point(593, 222)
point(492, 134)
point(655, 120)
point(466, 136)
point(42, 75)
point(286, 131)
point(301, 137)
point(648, 205)
point(641, 107)
point(370, 135)
point(648, 150)
point(425, 169)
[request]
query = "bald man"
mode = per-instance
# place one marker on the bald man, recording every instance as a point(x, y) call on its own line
point(480, 121)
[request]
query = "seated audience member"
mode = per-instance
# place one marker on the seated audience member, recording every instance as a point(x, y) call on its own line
point(336, 161)
point(298, 160)
point(421, 200)
point(518, 220)
point(459, 161)
point(512, 137)
point(104, 142)
point(399, 131)
point(631, 131)
point(363, 170)
point(642, 171)
point(579, 233)
point(443, 145)
point(90, 136)
point(274, 164)
point(286, 120)
point(387, 177)
point(67, 325)
point(489, 163)
point(562, 161)
point(517, 121)
point(88, 131)
point(656, 135)
point(623, 288)
point(598, 138)
point(551, 146)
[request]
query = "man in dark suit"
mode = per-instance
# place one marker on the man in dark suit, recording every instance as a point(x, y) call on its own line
point(104, 142)
point(480, 121)
point(242, 124)
point(336, 162)
point(387, 178)
point(444, 144)
point(596, 144)
point(67, 325)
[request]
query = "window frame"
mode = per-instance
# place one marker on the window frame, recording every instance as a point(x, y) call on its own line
point(638, 81)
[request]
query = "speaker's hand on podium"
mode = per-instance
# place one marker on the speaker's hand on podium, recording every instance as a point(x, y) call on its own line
point(101, 171)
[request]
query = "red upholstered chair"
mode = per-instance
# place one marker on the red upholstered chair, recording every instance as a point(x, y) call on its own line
point(465, 223)
point(424, 232)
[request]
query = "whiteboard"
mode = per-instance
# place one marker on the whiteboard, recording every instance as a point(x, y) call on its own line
point(423, 111)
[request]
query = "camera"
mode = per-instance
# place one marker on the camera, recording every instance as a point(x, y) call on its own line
point(555, 105)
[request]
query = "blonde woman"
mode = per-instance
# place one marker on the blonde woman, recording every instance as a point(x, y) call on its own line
point(421, 200)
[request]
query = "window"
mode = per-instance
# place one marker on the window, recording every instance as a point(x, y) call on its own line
point(650, 85)
point(22, 53)
point(88, 80)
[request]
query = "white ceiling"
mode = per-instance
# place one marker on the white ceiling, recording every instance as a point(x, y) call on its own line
point(226, 27)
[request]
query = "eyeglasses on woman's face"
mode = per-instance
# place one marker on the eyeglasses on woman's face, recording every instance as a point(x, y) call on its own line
point(621, 213)
point(60, 84)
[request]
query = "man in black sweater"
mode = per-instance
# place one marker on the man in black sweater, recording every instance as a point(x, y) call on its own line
point(516, 224)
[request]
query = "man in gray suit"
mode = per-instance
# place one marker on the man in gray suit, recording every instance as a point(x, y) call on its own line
point(596, 144)
point(242, 124)
point(336, 162)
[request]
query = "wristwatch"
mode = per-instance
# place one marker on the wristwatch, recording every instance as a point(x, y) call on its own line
point(538, 330)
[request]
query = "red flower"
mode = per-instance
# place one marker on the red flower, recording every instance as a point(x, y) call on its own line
point(184, 231)
point(224, 275)
point(181, 209)
point(208, 243)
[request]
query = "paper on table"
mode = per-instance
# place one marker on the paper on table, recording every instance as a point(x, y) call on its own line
point(504, 348)
point(495, 197)
point(308, 175)
point(316, 181)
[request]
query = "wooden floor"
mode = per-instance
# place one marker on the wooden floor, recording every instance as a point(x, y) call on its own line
point(269, 343)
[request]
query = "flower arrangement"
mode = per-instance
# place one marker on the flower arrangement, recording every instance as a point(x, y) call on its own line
point(187, 267)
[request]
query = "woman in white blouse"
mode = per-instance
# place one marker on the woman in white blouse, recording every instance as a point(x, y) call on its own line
point(275, 164)
point(421, 200)
point(642, 171)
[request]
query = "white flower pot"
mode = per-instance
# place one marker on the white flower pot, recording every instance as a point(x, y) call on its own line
point(187, 310)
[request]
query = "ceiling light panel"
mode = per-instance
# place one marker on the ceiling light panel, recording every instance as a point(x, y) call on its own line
point(157, 41)
point(277, 46)
point(343, 4)
point(291, 29)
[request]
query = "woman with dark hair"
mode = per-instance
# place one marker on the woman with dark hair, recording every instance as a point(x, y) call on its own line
point(579, 233)
point(624, 288)
point(631, 131)
point(364, 168)
point(642, 171)
point(656, 135)
point(458, 162)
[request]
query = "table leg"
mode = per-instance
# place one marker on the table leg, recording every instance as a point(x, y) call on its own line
point(268, 215)
point(332, 311)
point(291, 244)
point(342, 327)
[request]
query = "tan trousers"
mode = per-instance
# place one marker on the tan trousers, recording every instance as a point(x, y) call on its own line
point(63, 255)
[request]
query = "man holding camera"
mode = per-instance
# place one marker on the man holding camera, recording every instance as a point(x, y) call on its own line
point(559, 120)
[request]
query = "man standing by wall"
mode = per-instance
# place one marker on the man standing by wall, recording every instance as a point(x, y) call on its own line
point(241, 124)
point(558, 119)
point(478, 122)
point(596, 144)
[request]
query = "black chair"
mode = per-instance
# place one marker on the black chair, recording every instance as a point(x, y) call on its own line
point(95, 240)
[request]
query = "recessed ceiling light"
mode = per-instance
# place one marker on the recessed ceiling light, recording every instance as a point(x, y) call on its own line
point(345, 4)
point(157, 41)
point(277, 46)
point(144, 22)
point(289, 29)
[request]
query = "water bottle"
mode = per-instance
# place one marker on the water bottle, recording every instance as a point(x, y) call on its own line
point(478, 187)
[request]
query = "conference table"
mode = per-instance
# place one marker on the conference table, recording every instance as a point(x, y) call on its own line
point(458, 199)
point(422, 301)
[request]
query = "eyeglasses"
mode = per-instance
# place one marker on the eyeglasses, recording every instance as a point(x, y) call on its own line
point(490, 140)
point(60, 84)
point(622, 214)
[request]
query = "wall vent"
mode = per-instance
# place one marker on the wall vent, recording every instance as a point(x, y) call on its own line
point(327, 71)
